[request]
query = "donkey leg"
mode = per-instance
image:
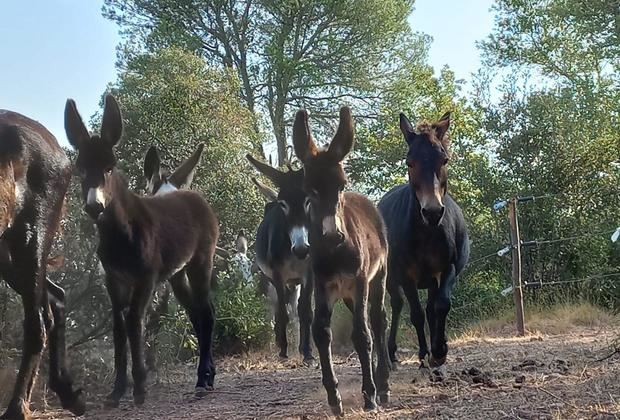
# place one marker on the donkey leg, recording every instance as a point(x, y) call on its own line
point(153, 327)
point(396, 301)
point(441, 307)
point(199, 278)
point(362, 341)
point(135, 332)
point(304, 311)
point(60, 380)
point(417, 319)
point(378, 322)
point(120, 346)
point(322, 334)
point(281, 317)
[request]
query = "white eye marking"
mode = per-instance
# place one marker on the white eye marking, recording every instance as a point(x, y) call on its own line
point(299, 236)
point(165, 188)
point(284, 206)
point(95, 195)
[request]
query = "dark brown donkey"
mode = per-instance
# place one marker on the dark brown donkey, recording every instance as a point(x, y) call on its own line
point(143, 241)
point(34, 177)
point(428, 238)
point(348, 253)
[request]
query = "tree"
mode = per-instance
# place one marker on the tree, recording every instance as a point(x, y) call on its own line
point(173, 100)
point(287, 54)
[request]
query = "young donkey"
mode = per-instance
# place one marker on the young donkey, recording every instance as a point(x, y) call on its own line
point(34, 177)
point(282, 252)
point(428, 238)
point(143, 241)
point(348, 251)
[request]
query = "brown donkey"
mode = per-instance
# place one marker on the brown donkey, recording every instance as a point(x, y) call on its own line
point(348, 251)
point(143, 241)
point(34, 177)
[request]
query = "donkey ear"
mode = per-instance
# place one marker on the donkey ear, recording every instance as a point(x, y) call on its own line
point(441, 126)
point(270, 172)
point(302, 138)
point(267, 192)
point(152, 163)
point(183, 176)
point(405, 127)
point(112, 123)
point(76, 131)
point(342, 142)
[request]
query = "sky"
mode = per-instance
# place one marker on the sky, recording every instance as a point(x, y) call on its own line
point(57, 49)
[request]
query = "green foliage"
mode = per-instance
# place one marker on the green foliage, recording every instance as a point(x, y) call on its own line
point(241, 316)
point(173, 100)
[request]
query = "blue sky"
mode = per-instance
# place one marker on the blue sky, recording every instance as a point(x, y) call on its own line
point(56, 49)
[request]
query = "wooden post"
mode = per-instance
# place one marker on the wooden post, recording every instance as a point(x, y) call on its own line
point(516, 265)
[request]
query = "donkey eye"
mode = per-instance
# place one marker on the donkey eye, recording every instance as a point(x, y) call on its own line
point(284, 206)
point(108, 171)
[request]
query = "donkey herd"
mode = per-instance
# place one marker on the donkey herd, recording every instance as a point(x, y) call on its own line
point(315, 240)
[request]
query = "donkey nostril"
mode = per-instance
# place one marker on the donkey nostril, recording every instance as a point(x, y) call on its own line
point(300, 251)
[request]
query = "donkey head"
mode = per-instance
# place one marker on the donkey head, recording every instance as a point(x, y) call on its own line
point(324, 179)
point(159, 181)
point(427, 159)
point(292, 200)
point(10, 156)
point(95, 161)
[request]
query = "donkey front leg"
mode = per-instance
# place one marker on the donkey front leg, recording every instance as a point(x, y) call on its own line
point(396, 301)
point(120, 356)
point(440, 301)
point(135, 332)
point(322, 332)
point(304, 310)
point(417, 319)
point(362, 341)
point(281, 317)
point(34, 343)
point(60, 379)
point(378, 322)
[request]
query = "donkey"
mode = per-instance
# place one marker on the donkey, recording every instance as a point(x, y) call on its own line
point(348, 253)
point(282, 253)
point(144, 241)
point(428, 239)
point(34, 177)
point(158, 182)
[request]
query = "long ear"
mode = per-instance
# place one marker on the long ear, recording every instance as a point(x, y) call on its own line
point(112, 123)
point(342, 143)
point(182, 177)
point(267, 192)
point(152, 163)
point(76, 131)
point(442, 126)
point(406, 128)
point(270, 172)
point(302, 138)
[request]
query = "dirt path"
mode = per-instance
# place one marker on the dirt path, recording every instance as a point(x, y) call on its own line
point(536, 377)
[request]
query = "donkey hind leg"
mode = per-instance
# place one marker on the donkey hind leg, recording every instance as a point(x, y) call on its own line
point(440, 304)
point(417, 319)
point(199, 276)
point(362, 341)
point(304, 311)
point(396, 302)
point(293, 295)
point(378, 322)
point(60, 380)
point(322, 333)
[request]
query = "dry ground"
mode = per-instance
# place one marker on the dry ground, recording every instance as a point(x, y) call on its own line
point(491, 377)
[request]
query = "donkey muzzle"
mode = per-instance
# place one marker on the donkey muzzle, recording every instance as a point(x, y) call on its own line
point(433, 215)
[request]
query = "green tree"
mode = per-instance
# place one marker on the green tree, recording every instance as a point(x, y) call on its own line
point(287, 54)
point(174, 100)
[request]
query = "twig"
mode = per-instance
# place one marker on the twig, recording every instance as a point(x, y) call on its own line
point(616, 351)
point(558, 398)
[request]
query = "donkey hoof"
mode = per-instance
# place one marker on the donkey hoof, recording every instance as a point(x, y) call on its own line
point(337, 409)
point(438, 374)
point(309, 361)
point(111, 402)
point(384, 398)
point(437, 362)
point(138, 399)
point(202, 391)
point(78, 406)
point(283, 356)
point(394, 365)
